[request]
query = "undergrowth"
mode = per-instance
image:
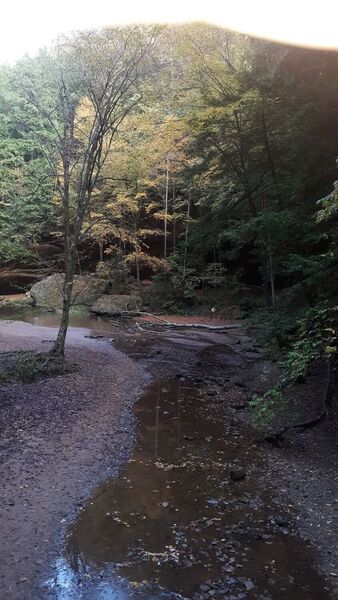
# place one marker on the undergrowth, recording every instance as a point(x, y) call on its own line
point(309, 339)
point(29, 366)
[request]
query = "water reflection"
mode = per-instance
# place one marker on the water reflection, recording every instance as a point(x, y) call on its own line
point(79, 317)
point(65, 586)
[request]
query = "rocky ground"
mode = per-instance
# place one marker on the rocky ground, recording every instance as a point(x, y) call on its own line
point(303, 471)
point(61, 436)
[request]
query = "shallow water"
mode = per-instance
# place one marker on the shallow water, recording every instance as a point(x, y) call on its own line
point(174, 524)
point(79, 318)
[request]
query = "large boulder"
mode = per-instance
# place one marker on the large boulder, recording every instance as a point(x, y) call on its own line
point(48, 291)
point(114, 304)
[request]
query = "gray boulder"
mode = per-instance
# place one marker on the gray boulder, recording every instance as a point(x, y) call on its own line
point(114, 304)
point(48, 291)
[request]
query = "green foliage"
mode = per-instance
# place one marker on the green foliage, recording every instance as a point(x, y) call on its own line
point(229, 147)
point(266, 408)
point(329, 204)
point(315, 338)
point(273, 328)
point(26, 209)
point(29, 366)
point(183, 280)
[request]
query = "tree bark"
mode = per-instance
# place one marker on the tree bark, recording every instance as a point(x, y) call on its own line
point(270, 158)
point(59, 345)
point(272, 281)
point(138, 276)
point(166, 210)
point(187, 231)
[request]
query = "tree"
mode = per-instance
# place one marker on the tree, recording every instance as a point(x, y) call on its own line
point(94, 83)
point(26, 189)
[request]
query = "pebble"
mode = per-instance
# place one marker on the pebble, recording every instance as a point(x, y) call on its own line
point(281, 522)
point(237, 474)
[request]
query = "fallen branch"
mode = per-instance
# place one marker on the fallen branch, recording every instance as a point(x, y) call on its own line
point(166, 323)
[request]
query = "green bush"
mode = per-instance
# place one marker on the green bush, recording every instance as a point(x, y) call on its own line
point(266, 408)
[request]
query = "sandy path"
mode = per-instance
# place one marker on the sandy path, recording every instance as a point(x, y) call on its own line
point(59, 438)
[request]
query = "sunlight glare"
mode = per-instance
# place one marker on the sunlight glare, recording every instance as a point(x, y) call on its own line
point(27, 26)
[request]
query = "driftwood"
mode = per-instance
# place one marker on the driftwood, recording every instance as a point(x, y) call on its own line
point(273, 438)
point(166, 323)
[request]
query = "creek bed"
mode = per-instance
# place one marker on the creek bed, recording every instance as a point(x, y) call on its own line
point(175, 525)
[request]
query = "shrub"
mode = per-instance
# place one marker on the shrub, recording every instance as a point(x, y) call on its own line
point(29, 366)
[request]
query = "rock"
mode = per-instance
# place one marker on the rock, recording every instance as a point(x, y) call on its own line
point(13, 281)
point(249, 585)
point(239, 383)
point(48, 291)
point(13, 300)
point(237, 474)
point(113, 304)
point(213, 501)
point(254, 534)
point(29, 299)
point(281, 522)
point(94, 337)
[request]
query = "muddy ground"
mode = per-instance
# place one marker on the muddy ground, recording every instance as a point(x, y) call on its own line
point(303, 471)
point(59, 437)
point(62, 436)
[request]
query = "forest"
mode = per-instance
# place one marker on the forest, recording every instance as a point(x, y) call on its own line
point(190, 171)
point(217, 169)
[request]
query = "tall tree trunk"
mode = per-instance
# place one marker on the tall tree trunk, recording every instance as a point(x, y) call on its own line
point(101, 251)
point(272, 280)
point(187, 231)
point(265, 278)
point(166, 210)
point(59, 345)
point(70, 256)
point(270, 157)
point(174, 218)
point(138, 276)
point(79, 262)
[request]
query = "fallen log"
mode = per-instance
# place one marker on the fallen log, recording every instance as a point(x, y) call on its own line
point(166, 323)
point(201, 326)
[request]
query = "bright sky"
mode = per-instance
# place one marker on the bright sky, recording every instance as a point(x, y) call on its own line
point(27, 25)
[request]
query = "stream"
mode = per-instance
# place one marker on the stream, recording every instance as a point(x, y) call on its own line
point(188, 516)
point(174, 524)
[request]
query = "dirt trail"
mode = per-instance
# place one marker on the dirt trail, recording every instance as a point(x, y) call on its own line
point(59, 437)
